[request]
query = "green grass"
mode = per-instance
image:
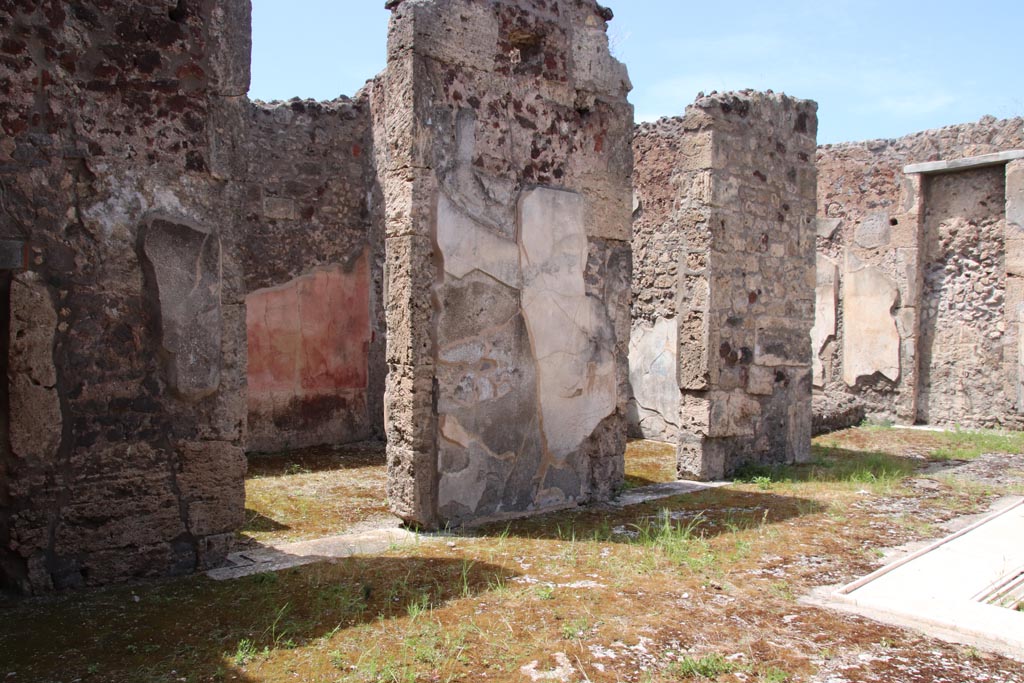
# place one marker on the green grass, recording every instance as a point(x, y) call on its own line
point(878, 471)
point(708, 666)
point(682, 543)
point(245, 652)
point(575, 628)
point(968, 445)
point(544, 591)
point(773, 675)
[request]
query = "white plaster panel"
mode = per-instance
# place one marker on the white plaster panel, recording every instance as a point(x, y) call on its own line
point(871, 342)
point(467, 246)
point(571, 334)
point(652, 370)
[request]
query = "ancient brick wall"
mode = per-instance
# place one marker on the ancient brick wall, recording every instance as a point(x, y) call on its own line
point(506, 194)
point(917, 264)
point(724, 212)
point(313, 259)
point(123, 455)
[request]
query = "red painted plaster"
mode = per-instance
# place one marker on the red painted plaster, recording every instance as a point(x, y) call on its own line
point(309, 337)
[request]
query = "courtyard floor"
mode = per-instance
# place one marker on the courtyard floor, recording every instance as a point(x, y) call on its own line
point(693, 587)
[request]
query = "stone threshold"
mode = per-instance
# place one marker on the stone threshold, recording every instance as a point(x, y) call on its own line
point(274, 558)
point(949, 589)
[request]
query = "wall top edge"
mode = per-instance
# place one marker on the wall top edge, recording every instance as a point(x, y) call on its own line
point(965, 163)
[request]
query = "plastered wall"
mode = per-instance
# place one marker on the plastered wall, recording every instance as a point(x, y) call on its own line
point(313, 258)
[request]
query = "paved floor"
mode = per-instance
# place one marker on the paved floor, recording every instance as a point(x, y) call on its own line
point(944, 588)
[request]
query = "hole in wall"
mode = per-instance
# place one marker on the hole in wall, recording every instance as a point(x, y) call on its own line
point(179, 12)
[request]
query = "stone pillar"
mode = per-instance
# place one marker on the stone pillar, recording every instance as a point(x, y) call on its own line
point(1014, 356)
point(126, 328)
point(503, 136)
point(747, 287)
point(907, 233)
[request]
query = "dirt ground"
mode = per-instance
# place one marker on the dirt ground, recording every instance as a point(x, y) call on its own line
point(702, 586)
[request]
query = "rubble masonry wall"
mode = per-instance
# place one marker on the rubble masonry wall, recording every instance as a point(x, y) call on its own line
point(724, 216)
point(920, 266)
point(173, 226)
point(126, 369)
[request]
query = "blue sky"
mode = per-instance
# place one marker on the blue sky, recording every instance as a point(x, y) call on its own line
point(877, 68)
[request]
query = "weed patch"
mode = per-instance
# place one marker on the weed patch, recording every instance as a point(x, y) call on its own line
point(709, 666)
point(968, 445)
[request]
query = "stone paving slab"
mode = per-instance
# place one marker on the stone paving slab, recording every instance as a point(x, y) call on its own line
point(942, 588)
point(285, 556)
point(644, 494)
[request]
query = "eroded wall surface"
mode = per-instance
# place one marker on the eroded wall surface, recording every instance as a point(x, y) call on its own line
point(126, 332)
point(724, 215)
point(506, 193)
point(962, 327)
point(918, 264)
point(313, 264)
point(665, 200)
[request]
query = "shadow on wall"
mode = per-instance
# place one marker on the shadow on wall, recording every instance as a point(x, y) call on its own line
point(317, 459)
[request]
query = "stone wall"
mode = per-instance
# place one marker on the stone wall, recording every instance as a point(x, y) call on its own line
point(917, 263)
point(506, 194)
point(313, 259)
point(126, 331)
point(962, 311)
point(663, 203)
point(724, 291)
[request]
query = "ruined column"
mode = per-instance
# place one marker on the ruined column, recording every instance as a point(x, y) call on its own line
point(502, 132)
point(746, 282)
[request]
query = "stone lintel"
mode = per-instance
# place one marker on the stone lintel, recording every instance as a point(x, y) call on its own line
point(965, 163)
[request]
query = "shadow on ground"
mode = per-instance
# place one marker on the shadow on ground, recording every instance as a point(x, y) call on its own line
point(711, 512)
point(317, 459)
point(199, 629)
point(256, 522)
point(704, 514)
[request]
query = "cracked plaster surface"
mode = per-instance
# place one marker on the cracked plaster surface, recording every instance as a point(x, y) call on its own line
point(874, 345)
point(652, 375)
point(525, 357)
point(570, 332)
